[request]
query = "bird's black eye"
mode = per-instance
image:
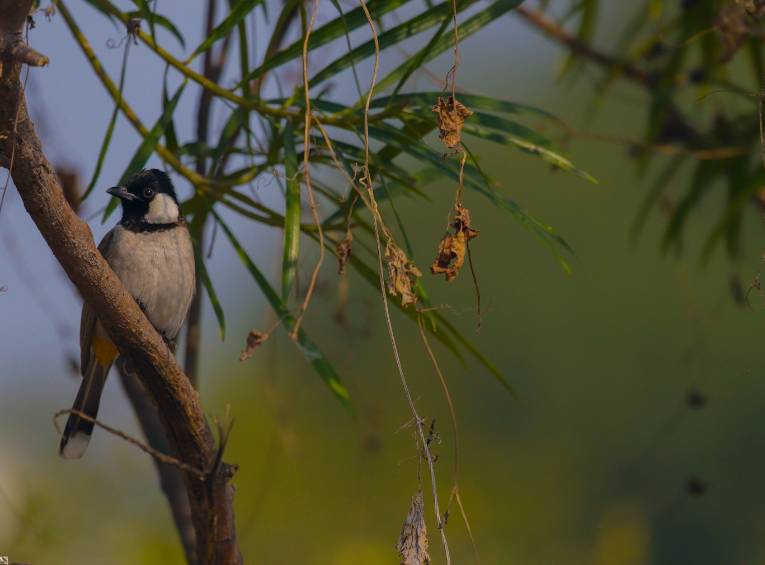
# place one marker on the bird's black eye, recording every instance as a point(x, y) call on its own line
point(148, 192)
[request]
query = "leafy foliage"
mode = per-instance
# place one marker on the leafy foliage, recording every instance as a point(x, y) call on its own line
point(263, 138)
point(706, 55)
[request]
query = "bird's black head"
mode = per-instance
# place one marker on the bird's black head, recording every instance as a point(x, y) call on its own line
point(148, 198)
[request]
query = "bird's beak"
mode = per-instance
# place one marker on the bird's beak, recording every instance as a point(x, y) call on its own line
point(121, 192)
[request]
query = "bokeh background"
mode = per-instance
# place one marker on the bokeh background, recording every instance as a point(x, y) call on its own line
point(599, 460)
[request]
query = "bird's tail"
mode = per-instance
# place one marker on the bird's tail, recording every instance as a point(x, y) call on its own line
point(78, 430)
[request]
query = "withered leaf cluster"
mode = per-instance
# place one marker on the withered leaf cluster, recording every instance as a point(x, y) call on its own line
point(453, 247)
point(412, 544)
point(254, 340)
point(451, 115)
point(402, 274)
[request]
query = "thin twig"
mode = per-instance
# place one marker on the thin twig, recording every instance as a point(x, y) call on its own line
point(455, 65)
point(307, 175)
point(389, 324)
point(455, 494)
point(158, 455)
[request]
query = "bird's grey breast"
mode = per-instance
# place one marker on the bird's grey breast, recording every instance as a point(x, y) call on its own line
point(157, 267)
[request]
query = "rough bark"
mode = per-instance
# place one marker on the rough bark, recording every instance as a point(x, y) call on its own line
point(70, 240)
point(170, 477)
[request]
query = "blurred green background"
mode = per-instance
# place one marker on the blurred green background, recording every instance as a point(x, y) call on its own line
point(590, 464)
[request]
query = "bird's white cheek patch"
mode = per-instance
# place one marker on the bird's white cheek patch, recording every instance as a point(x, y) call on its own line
point(162, 210)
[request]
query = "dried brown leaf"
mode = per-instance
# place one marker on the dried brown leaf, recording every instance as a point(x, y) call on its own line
point(451, 115)
point(344, 249)
point(402, 274)
point(452, 249)
point(412, 544)
point(254, 340)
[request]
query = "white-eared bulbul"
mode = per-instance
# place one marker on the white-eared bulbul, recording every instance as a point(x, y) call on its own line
point(150, 251)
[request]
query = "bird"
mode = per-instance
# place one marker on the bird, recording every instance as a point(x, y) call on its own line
point(151, 252)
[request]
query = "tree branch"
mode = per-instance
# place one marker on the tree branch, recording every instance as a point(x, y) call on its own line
point(558, 33)
point(70, 240)
point(12, 45)
point(170, 477)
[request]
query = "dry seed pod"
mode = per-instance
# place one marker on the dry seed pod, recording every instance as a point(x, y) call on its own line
point(412, 544)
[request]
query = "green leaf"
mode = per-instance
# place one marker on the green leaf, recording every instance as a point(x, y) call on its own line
point(309, 350)
point(207, 284)
point(292, 212)
point(659, 186)
point(393, 36)
point(555, 159)
point(171, 138)
point(110, 127)
point(487, 103)
point(467, 28)
point(327, 33)
point(240, 10)
point(705, 175)
point(473, 350)
point(416, 62)
point(147, 146)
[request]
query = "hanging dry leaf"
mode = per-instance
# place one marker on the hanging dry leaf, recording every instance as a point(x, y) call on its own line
point(254, 340)
point(453, 247)
point(412, 544)
point(402, 274)
point(344, 249)
point(451, 115)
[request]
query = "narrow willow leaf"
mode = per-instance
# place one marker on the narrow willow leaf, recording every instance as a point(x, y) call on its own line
point(555, 159)
point(393, 36)
point(659, 186)
point(110, 127)
point(474, 351)
point(737, 202)
point(240, 11)
point(486, 103)
point(544, 232)
point(467, 28)
point(292, 212)
point(416, 62)
point(207, 284)
point(147, 146)
point(309, 350)
point(171, 138)
point(327, 33)
point(510, 127)
point(705, 175)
